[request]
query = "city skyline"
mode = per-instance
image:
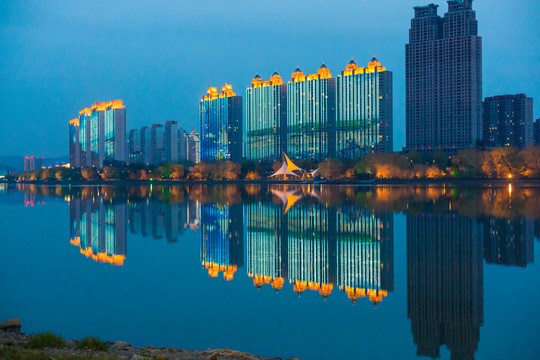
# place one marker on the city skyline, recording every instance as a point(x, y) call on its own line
point(177, 100)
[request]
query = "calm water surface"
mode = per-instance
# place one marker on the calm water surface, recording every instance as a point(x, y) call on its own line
point(314, 272)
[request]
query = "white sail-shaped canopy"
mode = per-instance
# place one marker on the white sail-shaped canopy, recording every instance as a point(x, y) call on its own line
point(315, 172)
point(288, 168)
point(282, 170)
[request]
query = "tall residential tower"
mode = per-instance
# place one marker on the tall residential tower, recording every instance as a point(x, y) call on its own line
point(443, 79)
point(221, 125)
point(311, 115)
point(266, 118)
point(508, 121)
point(99, 135)
point(364, 110)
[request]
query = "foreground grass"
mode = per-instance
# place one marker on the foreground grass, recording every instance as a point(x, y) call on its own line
point(92, 343)
point(45, 340)
point(27, 354)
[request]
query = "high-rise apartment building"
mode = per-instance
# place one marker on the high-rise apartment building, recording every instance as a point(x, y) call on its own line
point(364, 110)
point(146, 145)
point(170, 141)
point(114, 141)
point(134, 147)
point(194, 147)
point(182, 145)
point(84, 136)
point(221, 125)
point(311, 115)
point(536, 128)
point(443, 79)
point(74, 144)
point(29, 163)
point(157, 144)
point(266, 118)
point(99, 135)
point(508, 121)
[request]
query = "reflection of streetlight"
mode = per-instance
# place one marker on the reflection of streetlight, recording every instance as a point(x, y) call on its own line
point(510, 189)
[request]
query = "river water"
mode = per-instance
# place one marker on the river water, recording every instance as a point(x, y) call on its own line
point(313, 272)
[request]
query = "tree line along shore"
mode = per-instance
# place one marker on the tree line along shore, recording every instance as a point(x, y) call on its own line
point(497, 163)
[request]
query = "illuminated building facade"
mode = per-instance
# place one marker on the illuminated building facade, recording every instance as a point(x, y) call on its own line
point(84, 137)
point(170, 141)
point(509, 241)
point(443, 75)
point(222, 240)
point(266, 118)
point(445, 283)
point(364, 110)
point(101, 131)
point(115, 149)
point(194, 147)
point(74, 144)
point(311, 115)
point(221, 125)
point(157, 144)
point(508, 121)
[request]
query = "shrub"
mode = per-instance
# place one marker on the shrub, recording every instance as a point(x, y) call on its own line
point(92, 343)
point(44, 340)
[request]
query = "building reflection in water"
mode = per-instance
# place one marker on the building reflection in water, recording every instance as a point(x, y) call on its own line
point(98, 228)
point(444, 282)
point(99, 222)
point(222, 238)
point(328, 240)
point(319, 247)
point(509, 241)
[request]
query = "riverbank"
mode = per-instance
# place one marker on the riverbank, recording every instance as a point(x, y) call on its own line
point(15, 345)
point(374, 182)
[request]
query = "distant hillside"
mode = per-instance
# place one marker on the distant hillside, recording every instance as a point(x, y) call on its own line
point(15, 163)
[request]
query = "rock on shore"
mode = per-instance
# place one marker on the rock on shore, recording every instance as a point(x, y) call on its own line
point(12, 341)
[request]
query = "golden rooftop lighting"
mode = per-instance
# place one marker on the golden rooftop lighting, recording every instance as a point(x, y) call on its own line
point(373, 66)
point(322, 73)
point(226, 91)
point(102, 106)
point(275, 79)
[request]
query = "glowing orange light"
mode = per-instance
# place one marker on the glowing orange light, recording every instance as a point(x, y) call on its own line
point(74, 122)
point(277, 283)
point(299, 286)
point(373, 66)
point(76, 241)
point(212, 93)
point(326, 289)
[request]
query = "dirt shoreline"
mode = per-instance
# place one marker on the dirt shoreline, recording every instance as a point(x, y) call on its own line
point(14, 345)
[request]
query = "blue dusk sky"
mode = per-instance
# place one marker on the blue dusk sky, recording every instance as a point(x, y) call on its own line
point(58, 57)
